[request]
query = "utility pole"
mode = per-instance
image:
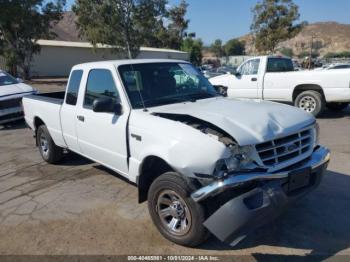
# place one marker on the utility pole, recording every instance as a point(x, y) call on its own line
point(311, 45)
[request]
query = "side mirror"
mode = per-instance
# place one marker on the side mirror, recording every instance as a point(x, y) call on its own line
point(19, 80)
point(107, 105)
point(238, 74)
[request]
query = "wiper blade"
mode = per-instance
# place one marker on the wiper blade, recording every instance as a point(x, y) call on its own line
point(196, 96)
point(164, 100)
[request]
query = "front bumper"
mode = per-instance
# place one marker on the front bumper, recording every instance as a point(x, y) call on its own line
point(244, 213)
point(11, 114)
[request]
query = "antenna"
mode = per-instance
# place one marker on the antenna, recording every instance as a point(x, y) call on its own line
point(137, 79)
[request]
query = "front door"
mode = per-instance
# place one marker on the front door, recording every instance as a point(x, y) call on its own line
point(102, 136)
point(245, 83)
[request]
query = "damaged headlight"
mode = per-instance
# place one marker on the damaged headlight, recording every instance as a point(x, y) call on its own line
point(316, 134)
point(241, 158)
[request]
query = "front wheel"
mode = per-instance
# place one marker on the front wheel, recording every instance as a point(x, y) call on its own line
point(311, 102)
point(337, 106)
point(177, 217)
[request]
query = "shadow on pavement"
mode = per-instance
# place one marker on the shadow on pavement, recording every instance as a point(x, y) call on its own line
point(73, 159)
point(317, 224)
point(328, 114)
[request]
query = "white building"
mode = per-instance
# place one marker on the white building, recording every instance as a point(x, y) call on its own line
point(57, 57)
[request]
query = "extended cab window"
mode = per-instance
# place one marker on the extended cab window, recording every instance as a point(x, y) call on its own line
point(275, 65)
point(251, 67)
point(73, 87)
point(100, 84)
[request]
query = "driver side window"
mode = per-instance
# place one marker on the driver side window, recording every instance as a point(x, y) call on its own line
point(100, 84)
point(251, 67)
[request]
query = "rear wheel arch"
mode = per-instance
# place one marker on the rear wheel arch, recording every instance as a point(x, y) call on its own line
point(37, 123)
point(307, 87)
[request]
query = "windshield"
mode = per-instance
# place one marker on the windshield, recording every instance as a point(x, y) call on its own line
point(6, 79)
point(154, 84)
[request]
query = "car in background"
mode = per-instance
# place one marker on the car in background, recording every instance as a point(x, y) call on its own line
point(223, 70)
point(335, 66)
point(12, 91)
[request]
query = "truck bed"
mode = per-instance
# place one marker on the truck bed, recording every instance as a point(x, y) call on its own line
point(45, 108)
point(54, 97)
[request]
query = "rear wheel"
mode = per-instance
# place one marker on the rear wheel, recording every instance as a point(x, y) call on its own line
point(311, 102)
point(337, 106)
point(177, 217)
point(47, 147)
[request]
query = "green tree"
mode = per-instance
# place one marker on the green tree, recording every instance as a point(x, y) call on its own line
point(22, 23)
point(287, 51)
point(274, 22)
point(123, 24)
point(178, 24)
point(234, 47)
point(194, 47)
point(217, 48)
point(149, 21)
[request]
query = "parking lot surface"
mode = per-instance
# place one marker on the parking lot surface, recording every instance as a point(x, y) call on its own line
point(79, 207)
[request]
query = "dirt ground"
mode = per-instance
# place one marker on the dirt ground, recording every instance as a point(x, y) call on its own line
point(79, 207)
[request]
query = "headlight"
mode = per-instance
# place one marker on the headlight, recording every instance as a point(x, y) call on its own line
point(316, 134)
point(241, 158)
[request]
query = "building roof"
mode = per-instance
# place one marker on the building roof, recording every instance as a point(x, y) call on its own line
point(43, 42)
point(117, 63)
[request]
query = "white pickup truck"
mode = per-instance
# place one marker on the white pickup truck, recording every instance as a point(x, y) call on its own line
point(205, 163)
point(273, 78)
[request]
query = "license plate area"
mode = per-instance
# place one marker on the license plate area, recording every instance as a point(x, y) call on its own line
point(299, 179)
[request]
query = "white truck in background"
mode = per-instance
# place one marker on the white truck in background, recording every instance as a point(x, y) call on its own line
point(274, 78)
point(203, 162)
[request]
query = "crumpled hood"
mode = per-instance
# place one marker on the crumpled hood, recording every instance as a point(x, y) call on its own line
point(16, 89)
point(247, 121)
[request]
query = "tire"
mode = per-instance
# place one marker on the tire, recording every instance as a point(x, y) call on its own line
point(311, 101)
point(337, 106)
point(170, 192)
point(47, 148)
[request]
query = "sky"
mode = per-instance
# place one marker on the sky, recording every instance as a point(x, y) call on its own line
point(226, 19)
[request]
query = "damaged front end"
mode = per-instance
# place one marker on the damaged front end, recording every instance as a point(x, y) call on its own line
point(250, 185)
point(265, 198)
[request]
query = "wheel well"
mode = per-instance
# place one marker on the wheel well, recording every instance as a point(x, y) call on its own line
point(38, 122)
point(152, 167)
point(301, 88)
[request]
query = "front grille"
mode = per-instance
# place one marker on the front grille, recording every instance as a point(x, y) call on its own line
point(280, 150)
point(11, 116)
point(16, 102)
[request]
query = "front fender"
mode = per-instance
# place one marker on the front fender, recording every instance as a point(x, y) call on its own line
point(185, 149)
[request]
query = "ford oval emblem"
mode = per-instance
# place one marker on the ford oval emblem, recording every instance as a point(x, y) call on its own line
point(290, 148)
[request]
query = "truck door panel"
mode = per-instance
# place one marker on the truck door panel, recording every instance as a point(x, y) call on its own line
point(102, 136)
point(245, 85)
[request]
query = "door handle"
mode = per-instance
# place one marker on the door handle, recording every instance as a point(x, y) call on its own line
point(254, 79)
point(81, 118)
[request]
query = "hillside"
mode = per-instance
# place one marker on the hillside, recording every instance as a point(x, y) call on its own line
point(328, 37)
point(65, 29)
